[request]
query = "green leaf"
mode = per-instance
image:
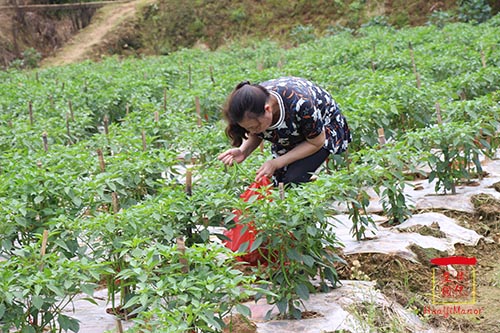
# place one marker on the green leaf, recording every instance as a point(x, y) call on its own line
point(293, 254)
point(282, 305)
point(302, 291)
point(38, 199)
point(68, 323)
point(28, 329)
point(243, 247)
point(257, 242)
point(308, 260)
point(88, 289)
point(37, 302)
point(244, 310)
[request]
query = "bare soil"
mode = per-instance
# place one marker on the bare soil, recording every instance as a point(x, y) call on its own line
point(410, 284)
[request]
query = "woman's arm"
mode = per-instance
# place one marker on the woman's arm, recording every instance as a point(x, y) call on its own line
point(250, 144)
point(302, 150)
point(238, 155)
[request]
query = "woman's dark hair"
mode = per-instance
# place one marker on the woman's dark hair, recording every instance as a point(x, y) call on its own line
point(246, 99)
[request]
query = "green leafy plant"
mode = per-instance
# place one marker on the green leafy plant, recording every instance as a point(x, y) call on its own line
point(296, 244)
point(35, 289)
point(187, 290)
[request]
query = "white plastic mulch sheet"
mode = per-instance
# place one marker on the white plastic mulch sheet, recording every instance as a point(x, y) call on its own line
point(344, 308)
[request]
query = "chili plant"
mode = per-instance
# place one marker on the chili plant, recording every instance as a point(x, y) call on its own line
point(297, 244)
point(390, 164)
point(451, 152)
point(188, 290)
point(35, 289)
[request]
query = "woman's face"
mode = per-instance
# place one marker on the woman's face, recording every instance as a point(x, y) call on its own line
point(255, 125)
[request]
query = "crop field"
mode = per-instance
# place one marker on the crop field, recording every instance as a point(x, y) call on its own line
point(109, 175)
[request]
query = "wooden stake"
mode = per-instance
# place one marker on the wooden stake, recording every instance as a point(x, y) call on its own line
point(198, 110)
point(30, 112)
point(381, 136)
point(281, 187)
point(67, 128)
point(51, 99)
point(70, 105)
point(157, 116)
point(45, 142)
point(438, 114)
point(114, 202)
point(182, 249)
point(417, 76)
point(483, 59)
point(144, 146)
point(189, 182)
point(374, 67)
point(45, 237)
point(260, 66)
point(100, 156)
point(165, 100)
point(106, 125)
point(211, 68)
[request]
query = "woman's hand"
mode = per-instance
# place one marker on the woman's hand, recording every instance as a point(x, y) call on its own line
point(232, 155)
point(267, 169)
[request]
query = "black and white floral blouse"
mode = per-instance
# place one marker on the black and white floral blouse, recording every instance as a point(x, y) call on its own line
point(306, 110)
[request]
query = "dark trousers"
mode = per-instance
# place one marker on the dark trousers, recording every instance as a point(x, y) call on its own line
point(301, 171)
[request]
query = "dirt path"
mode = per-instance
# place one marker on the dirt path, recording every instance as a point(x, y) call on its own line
point(106, 18)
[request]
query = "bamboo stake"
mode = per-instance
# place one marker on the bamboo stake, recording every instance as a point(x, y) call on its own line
point(156, 116)
point(45, 237)
point(198, 110)
point(144, 146)
point(483, 59)
point(281, 187)
point(417, 76)
point(100, 156)
point(45, 142)
point(68, 129)
point(211, 68)
point(30, 112)
point(106, 125)
point(381, 136)
point(70, 105)
point(181, 246)
point(165, 100)
point(189, 182)
point(374, 67)
point(51, 99)
point(260, 66)
point(115, 203)
point(438, 113)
